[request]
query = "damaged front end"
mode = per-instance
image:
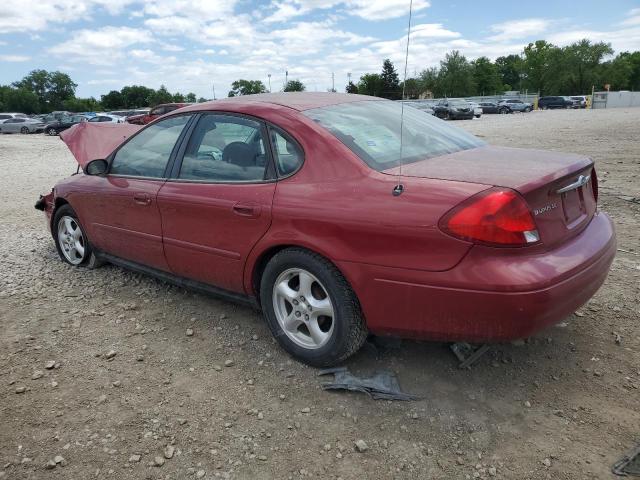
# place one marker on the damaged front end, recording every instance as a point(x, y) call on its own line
point(45, 204)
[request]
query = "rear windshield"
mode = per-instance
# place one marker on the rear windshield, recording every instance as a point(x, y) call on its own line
point(371, 129)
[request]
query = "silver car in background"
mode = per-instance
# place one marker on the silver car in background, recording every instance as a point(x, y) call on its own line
point(21, 125)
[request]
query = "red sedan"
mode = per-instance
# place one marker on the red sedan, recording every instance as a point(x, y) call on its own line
point(154, 113)
point(320, 210)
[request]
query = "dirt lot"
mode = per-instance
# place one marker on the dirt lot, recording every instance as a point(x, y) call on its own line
point(563, 405)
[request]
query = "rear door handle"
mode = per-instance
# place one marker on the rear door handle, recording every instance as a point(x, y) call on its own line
point(246, 210)
point(142, 198)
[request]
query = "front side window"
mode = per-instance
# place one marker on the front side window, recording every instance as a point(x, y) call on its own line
point(288, 154)
point(225, 148)
point(147, 153)
point(371, 129)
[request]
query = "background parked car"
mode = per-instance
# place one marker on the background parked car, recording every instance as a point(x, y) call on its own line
point(579, 101)
point(130, 113)
point(546, 103)
point(154, 113)
point(56, 127)
point(493, 107)
point(517, 105)
point(21, 125)
point(477, 109)
point(453, 110)
point(105, 117)
point(6, 116)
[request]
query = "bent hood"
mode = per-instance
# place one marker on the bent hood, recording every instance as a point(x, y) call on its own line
point(90, 141)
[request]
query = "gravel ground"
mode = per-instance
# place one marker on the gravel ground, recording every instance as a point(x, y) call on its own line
point(100, 377)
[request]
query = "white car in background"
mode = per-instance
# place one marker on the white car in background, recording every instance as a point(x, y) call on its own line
point(106, 117)
point(477, 109)
point(6, 116)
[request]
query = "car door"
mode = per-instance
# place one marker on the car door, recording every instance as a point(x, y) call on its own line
point(12, 125)
point(120, 209)
point(217, 203)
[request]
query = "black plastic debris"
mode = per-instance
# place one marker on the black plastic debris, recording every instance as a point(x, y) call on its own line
point(629, 464)
point(382, 385)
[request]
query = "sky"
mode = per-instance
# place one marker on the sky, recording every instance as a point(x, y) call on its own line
point(201, 45)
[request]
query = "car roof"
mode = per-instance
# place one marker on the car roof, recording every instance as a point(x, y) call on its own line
point(296, 100)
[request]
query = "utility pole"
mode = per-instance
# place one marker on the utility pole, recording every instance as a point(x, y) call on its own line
point(269, 75)
point(214, 90)
point(286, 78)
point(333, 82)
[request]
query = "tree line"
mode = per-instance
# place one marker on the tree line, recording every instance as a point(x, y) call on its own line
point(43, 92)
point(542, 68)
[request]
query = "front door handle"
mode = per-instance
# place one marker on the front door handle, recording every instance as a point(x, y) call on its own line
point(142, 198)
point(247, 210)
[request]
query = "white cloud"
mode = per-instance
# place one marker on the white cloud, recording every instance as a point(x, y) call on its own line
point(523, 28)
point(30, 15)
point(14, 58)
point(633, 18)
point(100, 47)
point(194, 9)
point(366, 9)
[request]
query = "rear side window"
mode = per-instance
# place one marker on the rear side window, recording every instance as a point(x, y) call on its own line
point(147, 153)
point(225, 148)
point(372, 130)
point(288, 154)
point(4, 117)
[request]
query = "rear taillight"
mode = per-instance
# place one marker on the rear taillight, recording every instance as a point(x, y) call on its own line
point(594, 184)
point(497, 216)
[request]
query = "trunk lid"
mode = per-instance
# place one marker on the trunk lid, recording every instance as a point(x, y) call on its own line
point(559, 187)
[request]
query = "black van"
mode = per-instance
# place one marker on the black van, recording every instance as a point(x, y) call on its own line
point(554, 102)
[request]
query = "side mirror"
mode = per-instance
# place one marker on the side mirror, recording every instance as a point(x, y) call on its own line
point(96, 167)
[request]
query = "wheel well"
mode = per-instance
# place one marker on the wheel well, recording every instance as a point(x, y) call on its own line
point(260, 265)
point(58, 203)
point(267, 255)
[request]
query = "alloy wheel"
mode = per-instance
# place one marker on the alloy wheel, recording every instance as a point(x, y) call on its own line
point(71, 240)
point(51, 131)
point(303, 308)
point(24, 130)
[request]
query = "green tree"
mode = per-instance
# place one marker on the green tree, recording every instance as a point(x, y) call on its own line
point(112, 100)
point(190, 97)
point(509, 69)
point(581, 61)
point(351, 87)
point(202, 100)
point(486, 76)
point(161, 95)
point(456, 75)
point(51, 88)
point(82, 105)
point(136, 96)
point(178, 97)
point(294, 86)
point(538, 62)
point(429, 79)
point(390, 81)
point(412, 88)
point(370, 84)
point(246, 87)
point(20, 100)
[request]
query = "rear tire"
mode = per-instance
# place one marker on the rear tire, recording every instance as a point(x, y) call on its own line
point(310, 308)
point(24, 130)
point(71, 240)
point(50, 131)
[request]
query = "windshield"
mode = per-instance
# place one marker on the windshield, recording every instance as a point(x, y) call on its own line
point(371, 130)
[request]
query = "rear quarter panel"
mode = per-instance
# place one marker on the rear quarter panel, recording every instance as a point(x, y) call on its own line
point(339, 207)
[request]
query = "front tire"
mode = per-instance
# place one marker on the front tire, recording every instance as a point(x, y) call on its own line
point(310, 308)
point(24, 130)
point(51, 131)
point(71, 240)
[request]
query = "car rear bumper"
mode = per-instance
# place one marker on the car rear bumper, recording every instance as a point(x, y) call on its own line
point(491, 295)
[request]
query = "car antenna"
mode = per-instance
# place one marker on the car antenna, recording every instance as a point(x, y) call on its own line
point(399, 188)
